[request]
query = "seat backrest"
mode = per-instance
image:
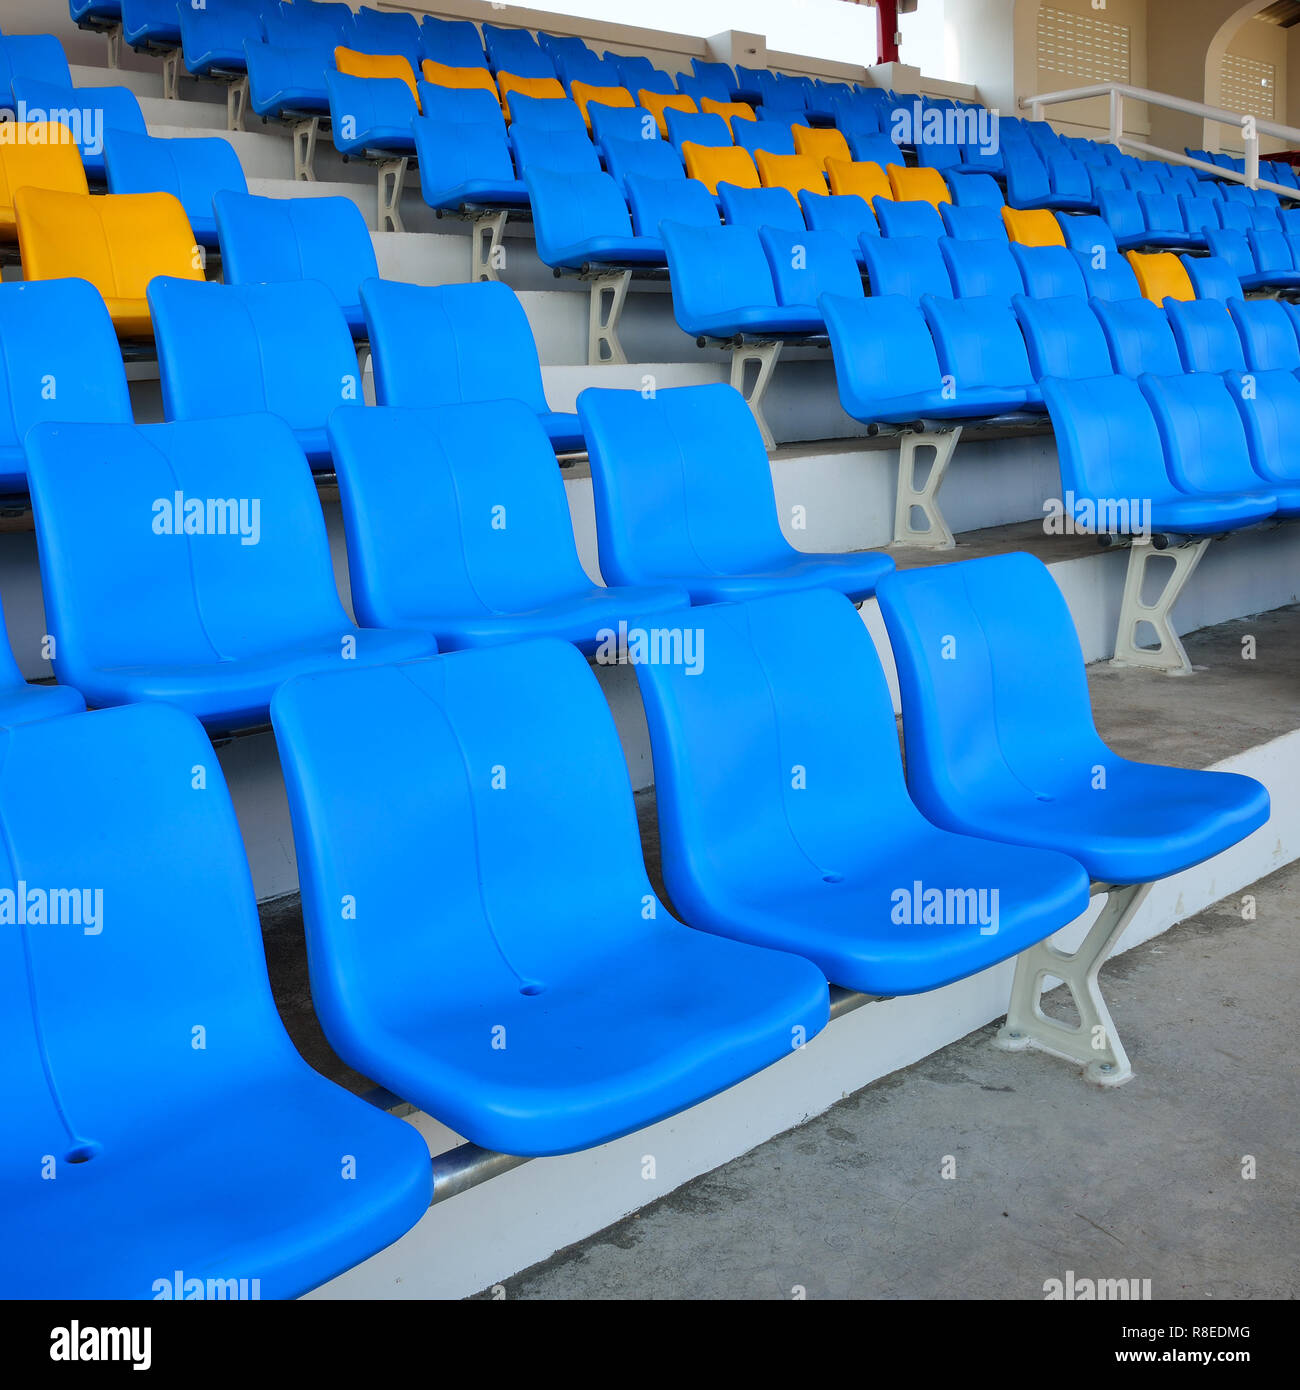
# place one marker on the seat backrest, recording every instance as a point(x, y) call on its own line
point(194, 170)
point(419, 495)
point(360, 107)
point(50, 373)
point(697, 127)
point(655, 159)
point(843, 213)
point(281, 348)
point(795, 172)
point(243, 568)
point(1270, 250)
point(1207, 338)
point(569, 208)
point(1268, 334)
point(652, 201)
point(868, 148)
point(1033, 227)
point(386, 31)
point(561, 151)
point(971, 222)
point(784, 741)
point(458, 79)
point(1211, 278)
point(883, 354)
point(41, 154)
point(37, 56)
point(1088, 234)
point(1198, 213)
point(755, 135)
point(659, 102)
point(587, 96)
point(822, 143)
point(1049, 271)
point(265, 240)
point(627, 124)
point(88, 112)
point(1269, 406)
point(436, 345)
point(714, 270)
point(1204, 439)
point(806, 265)
point(118, 242)
point(908, 219)
point(543, 88)
point(976, 190)
point(516, 51)
point(864, 180)
point(1062, 337)
point(978, 341)
point(981, 268)
point(1122, 212)
point(396, 66)
point(918, 183)
point(1233, 217)
point(907, 266)
point(713, 165)
point(1139, 337)
point(1232, 247)
point(1013, 711)
point(1161, 276)
point(760, 207)
point(728, 110)
point(681, 483)
point(547, 114)
point(452, 153)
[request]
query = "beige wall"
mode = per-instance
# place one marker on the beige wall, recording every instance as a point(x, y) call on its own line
point(1266, 43)
point(1091, 117)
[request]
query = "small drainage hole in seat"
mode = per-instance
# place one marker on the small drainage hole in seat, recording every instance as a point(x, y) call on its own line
point(530, 989)
point(832, 878)
point(83, 1153)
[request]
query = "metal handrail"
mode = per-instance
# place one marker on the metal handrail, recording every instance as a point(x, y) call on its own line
point(1251, 127)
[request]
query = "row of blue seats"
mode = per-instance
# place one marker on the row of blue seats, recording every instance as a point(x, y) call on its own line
point(391, 772)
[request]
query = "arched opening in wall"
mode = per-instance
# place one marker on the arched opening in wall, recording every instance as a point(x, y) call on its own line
point(1251, 78)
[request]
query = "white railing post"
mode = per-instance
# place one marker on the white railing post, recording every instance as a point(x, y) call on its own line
point(1036, 110)
point(1250, 139)
point(1116, 116)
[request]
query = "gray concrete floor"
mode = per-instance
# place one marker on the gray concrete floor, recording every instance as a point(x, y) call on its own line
point(1051, 1174)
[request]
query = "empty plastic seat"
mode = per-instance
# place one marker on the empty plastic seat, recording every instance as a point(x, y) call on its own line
point(1052, 182)
point(1211, 278)
point(466, 163)
point(655, 159)
point(1268, 335)
point(89, 1019)
point(818, 868)
point(907, 266)
point(982, 268)
point(1063, 337)
point(715, 73)
point(378, 67)
point(588, 97)
point(1269, 406)
point(697, 128)
point(1139, 337)
point(472, 78)
point(927, 184)
point(21, 703)
point(808, 264)
point(559, 151)
point(655, 201)
point(449, 344)
point(42, 154)
point(193, 170)
point(269, 240)
point(973, 222)
point(867, 181)
point(868, 148)
point(119, 243)
point(637, 71)
point(1088, 234)
point(760, 207)
point(318, 29)
point(729, 110)
point(416, 490)
point(981, 350)
point(516, 51)
point(762, 135)
point(1033, 227)
point(1161, 276)
point(281, 348)
point(1111, 450)
point(1003, 744)
point(976, 190)
point(34, 57)
point(285, 83)
point(684, 498)
point(581, 219)
point(89, 112)
point(844, 215)
point(1049, 271)
point(799, 173)
point(371, 115)
point(821, 143)
point(1207, 338)
point(387, 31)
point(659, 102)
point(713, 165)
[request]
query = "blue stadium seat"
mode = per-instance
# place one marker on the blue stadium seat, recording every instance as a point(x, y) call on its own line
point(426, 550)
point(94, 112)
point(582, 219)
point(1062, 337)
point(760, 207)
point(1110, 448)
point(226, 595)
point(623, 123)
point(21, 703)
point(151, 26)
point(90, 1056)
point(437, 345)
point(82, 12)
point(720, 76)
point(1049, 272)
point(700, 128)
point(516, 51)
point(1003, 743)
point(562, 152)
point(819, 868)
point(402, 998)
point(371, 115)
point(546, 114)
point(267, 240)
point(907, 266)
point(683, 495)
point(1233, 217)
point(1122, 213)
point(39, 348)
point(1269, 406)
point(315, 28)
point(281, 348)
point(806, 265)
point(845, 215)
point(873, 149)
point(212, 35)
point(771, 136)
point(1241, 251)
point(1139, 337)
point(1064, 186)
point(982, 268)
point(976, 190)
point(910, 219)
point(1205, 442)
point(981, 349)
point(453, 42)
point(1166, 224)
point(1108, 276)
point(466, 163)
point(1088, 234)
point(192, 170)
point(973, 221)
point(37, 58)
point(654, 201)
point(1198, 213)
point(655, 159)
point(387, 31)
point(1211, 277)
point(637, 73)
point(285, 83)
point(1267, 334)
point(1207, 338)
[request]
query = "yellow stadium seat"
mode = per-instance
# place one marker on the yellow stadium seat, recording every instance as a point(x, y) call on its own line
point(118, 241)
point(36, 154)
point(355, 64)
point(1033, 226)
point(715, 164)
point(544, 87)
point(659, 102)
point(585, 95)
point(822, 144)
point(918, 185)
point(864, 177)
point(1161, 276)
point(797, 172)
point(727, 109)
point(440, 75)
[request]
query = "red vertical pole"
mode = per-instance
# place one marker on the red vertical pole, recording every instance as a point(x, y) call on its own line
point(887, 31)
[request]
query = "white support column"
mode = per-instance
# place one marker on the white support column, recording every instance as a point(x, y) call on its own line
point(1168, 654)
point(236, 103)
point(114, 39)
point(608, 296)
point(305, 133)
point(1116, 116)
point(1093, 1041)
point(1250, 141)
point(912, 497)
point(392, 179)
point(487, 246)
point(171, 74)
point(764, 357)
